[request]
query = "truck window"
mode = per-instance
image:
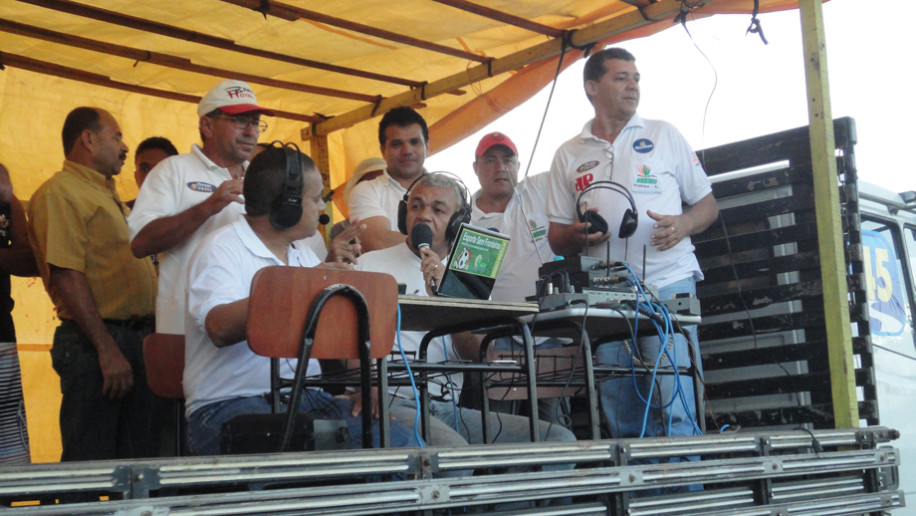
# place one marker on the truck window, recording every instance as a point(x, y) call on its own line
point(889, 283)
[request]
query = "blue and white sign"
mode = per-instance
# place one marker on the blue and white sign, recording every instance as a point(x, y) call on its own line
point(884, 285)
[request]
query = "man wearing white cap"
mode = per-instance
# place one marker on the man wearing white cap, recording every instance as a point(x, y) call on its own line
point(366, 170)
point(185, 197)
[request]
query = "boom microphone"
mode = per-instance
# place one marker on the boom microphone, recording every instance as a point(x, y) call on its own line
point(323, 219)
point(422, 236)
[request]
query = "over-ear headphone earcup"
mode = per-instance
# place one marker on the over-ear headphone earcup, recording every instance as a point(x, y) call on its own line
point(285, 214)
point(402, 214)
point(454, 224)
point(596, 221)
point(628, 224)
point(286, 208)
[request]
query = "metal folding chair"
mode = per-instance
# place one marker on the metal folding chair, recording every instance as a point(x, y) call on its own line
point(163, 355)
point(304, 313)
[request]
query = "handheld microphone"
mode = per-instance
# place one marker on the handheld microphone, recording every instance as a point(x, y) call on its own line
point(422, 236)
point(323, 219)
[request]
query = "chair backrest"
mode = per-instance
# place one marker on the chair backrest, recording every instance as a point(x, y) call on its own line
point(163, 354)
point(279, 304)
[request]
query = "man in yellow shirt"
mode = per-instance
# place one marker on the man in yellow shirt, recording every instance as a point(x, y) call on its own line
point(105, 297)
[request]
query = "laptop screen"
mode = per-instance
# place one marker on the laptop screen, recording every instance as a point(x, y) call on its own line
point(473, 263)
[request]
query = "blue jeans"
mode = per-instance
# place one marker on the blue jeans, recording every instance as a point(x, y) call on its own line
point(205, 423)
point(504, 428)
point(623, 400)
point(93, 427)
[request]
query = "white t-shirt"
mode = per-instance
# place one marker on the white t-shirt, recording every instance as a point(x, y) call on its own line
point(400, 262)
point(220, 272)
point(174, 185)
point(526, 224)
point(652, 160)
point(377, 197)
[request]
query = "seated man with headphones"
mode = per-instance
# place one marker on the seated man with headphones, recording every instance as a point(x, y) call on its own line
point(223, 378)
point(437, 204)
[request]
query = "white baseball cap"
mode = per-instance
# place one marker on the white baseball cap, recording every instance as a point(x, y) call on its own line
point(232, 97)
point(365, 166)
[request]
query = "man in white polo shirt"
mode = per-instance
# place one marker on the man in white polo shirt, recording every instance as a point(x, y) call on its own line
point(188, 196)
point(647, 185)
point(404, 141)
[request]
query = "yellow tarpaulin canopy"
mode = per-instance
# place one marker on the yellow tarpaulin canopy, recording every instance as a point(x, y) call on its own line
point(329, 69)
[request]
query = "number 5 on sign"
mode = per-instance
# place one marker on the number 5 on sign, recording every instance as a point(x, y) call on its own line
point(883, 285)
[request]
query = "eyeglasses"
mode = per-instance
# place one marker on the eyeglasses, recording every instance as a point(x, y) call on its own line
point(243, 121)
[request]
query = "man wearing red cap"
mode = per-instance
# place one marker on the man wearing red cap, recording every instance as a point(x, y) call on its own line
point(515, 208)
point(186, 197)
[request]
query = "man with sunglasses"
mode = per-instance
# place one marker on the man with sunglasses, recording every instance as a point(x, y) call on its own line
point(188, 196)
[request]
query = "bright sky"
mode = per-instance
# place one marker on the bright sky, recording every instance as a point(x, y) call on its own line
point(751, 88)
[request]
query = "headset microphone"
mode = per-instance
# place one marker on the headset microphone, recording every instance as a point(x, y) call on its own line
point(323, 219)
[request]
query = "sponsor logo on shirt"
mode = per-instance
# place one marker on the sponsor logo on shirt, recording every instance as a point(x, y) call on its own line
point(643, 145)
point(536, 232)
point(200, 186)
point(582, 182)
point(645, 178)
point(587, 166)
point(694, 158)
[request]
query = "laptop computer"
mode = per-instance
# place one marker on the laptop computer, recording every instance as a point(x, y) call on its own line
point(473, 263)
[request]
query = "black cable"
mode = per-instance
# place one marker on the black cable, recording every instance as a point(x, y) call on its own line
point(755, 27)
point(815, 443)
point(553, 86)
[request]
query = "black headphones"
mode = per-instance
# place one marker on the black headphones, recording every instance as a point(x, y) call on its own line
point(630, 219)
point(463, 215)
point(286, 209)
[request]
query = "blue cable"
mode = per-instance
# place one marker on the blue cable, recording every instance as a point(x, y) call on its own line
point(679, 388)
point(413, 384)
point(678, 392)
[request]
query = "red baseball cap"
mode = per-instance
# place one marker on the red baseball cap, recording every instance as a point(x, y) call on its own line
point(494, 139)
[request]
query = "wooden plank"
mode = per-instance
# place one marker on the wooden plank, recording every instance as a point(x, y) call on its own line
point(74, 74)
point(657, 11)
point(830, 235)
point(170, 61)
point(171, 31)
point(292, 13)
point(503, 17)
